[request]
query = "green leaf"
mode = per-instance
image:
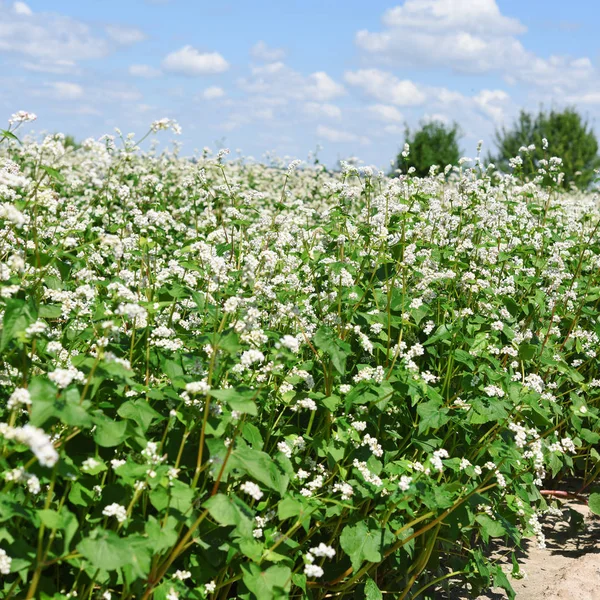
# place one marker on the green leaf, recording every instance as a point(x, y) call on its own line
point(9, 134)
point(161, 537)
point(364, 542)
point(501, 580)
point(260, 466)
point(594, 503)
point(105, 550)
point(325, 339)
point(269, 584)
point(372, 592)
point(18, 315)
point(45, 404)
point(53, 173)
point(140, 412)
point(240, 400)
point(289, 507)
point(251, 433)
point(64, 520)
point(179, 496)
point(432, 415)
point(489, 527)
point(230, 511)
point(109, 433)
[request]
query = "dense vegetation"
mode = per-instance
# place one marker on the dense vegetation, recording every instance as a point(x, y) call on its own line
point(222, 379)
point(571, 139)
point(433, 144)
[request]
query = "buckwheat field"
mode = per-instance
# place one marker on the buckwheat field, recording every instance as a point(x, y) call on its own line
point(221, 379)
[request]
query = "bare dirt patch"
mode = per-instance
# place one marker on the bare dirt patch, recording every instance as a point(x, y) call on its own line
point(567, 569)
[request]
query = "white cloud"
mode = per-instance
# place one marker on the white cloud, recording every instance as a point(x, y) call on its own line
point(386, 87)
point(335, 135)
point(145, 71)
point(188, 61)
point(261, 51)
point(318, 109)
point(20, 8)
point(592, 97)
point(47, 39)
point(385, 113)
point(470, 36)
point(322, 87)
point(492, 103)
point(124, 35)
point(467, 35)
point(64, 90)
point(338, 136)
point(473, 16)
point(278, 80)
point(213, 92)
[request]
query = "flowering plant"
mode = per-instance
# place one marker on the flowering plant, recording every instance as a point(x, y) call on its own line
point(222, 379)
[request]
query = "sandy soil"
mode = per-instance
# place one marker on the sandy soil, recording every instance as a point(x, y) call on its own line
point(567, 569)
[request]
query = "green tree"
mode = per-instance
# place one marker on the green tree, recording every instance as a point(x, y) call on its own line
point(569, 137)
point(434, 143)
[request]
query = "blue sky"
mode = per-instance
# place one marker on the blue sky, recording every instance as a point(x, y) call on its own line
point(272, 76)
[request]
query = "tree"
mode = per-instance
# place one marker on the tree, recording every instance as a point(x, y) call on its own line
point(569, 137)
point(434, 143)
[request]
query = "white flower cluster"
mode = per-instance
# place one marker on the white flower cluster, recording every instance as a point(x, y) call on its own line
point(37, 440)
point(115, 510)
point(250, 488)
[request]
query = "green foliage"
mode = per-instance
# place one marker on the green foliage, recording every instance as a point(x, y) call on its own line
point(569, 136)
point(228, 381)
point(434, 143)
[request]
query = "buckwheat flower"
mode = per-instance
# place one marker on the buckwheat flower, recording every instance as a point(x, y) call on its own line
point(322, 550)
point(291, 343)
point(311, 570)
point(284, 449)
point(359, 425)
point(345, 388)
point(89, 464)
point(19, 396)
point(307, 403)
point(5, 562)
point(494, 391)
point(33, 484)
point(376, 328)
point(250, 488)
point(210, 587)
point(115, 463)
point(197, 387)
point(373, 444)
point(416, 303)
point(22, 116)
point(501, 479)
point(62, 377)
point(404, 483)
point(568, 445)
point(115, 510)
point(251, 356)
point(302, 474)
point(292, 166)
point(181, 575)
point(37, 440)
point(345, 489)
point(436, 459)
point(464, 464)
point(172, 595)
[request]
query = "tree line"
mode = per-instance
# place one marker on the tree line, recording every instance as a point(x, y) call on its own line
point(565, 134)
